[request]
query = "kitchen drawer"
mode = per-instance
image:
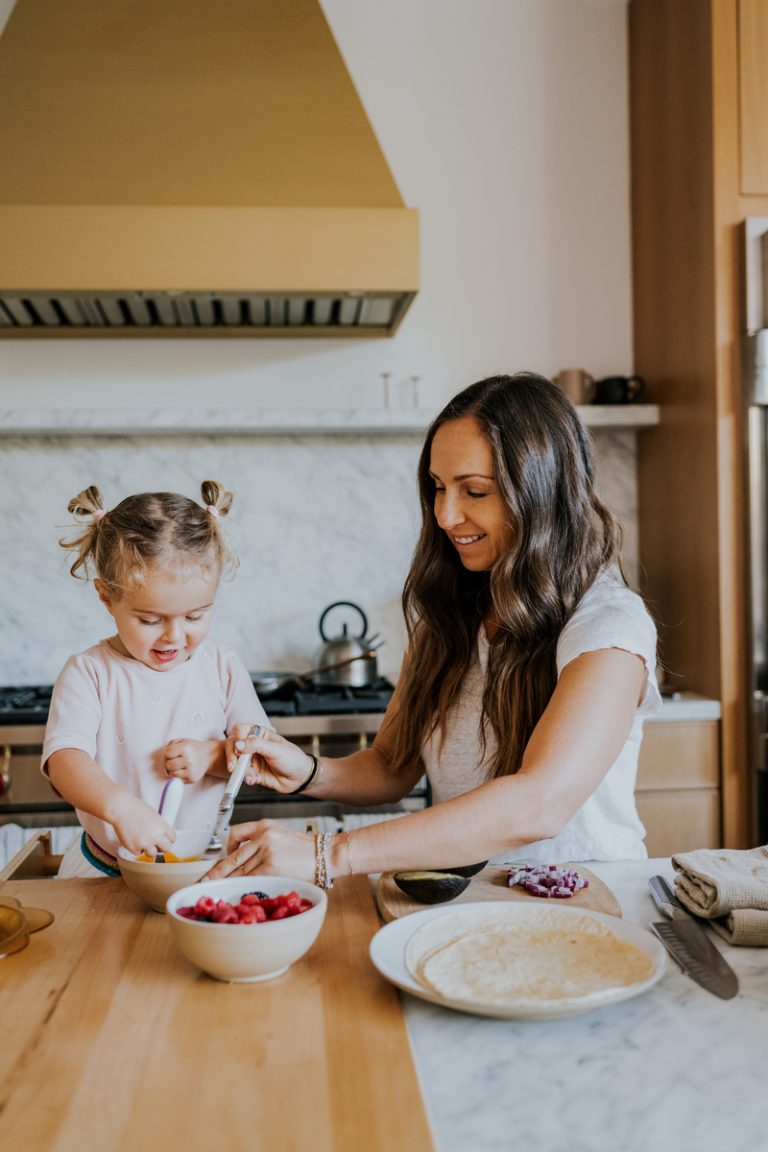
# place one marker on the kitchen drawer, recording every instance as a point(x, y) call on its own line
point(679, 820)
point(679, 754)
point(35, 861)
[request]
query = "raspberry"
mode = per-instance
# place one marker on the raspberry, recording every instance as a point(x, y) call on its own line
point(253, 908)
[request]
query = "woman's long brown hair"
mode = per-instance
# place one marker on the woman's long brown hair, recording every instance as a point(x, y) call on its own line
point(562, 536)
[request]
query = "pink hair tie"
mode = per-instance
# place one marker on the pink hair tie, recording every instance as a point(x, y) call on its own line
point(99, 514)
point(213, 510)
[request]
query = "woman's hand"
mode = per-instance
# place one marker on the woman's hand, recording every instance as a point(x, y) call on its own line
point(268, 848)
point(190, 760)
point(139, 828)
point(276, 763)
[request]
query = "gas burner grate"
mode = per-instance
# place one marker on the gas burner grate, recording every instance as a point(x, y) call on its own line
point(25, 704)
point(327, 699)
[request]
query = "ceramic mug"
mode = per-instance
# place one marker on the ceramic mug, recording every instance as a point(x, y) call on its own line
point(619, 389)
point(577, 385)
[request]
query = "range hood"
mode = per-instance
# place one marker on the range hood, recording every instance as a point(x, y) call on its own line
point(192, 167)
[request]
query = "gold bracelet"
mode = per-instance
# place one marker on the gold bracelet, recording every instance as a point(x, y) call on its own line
point(344, 839)
point(322, 877)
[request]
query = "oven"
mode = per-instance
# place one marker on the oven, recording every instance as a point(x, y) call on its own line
point(326, 720)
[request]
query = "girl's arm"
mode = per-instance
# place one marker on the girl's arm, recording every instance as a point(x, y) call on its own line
point(574, 744)
point(78, 778)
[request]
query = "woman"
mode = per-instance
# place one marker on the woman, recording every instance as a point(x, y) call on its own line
point(529, 671)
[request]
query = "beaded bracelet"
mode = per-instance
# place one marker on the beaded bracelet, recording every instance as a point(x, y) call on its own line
point(310, 778)
point(322, 879)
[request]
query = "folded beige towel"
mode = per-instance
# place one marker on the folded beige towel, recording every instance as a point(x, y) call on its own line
point(729, 888)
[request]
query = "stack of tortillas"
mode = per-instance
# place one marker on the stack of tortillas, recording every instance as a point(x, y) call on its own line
point(500, 956)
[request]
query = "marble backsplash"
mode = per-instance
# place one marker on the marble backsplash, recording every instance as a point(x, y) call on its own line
point(315, 519)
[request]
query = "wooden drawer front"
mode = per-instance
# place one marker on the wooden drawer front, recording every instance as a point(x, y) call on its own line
point(34, 861)
point(679, 821)
point(679, 754)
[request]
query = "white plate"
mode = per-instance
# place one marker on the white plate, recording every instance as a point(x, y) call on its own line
point(388, 955)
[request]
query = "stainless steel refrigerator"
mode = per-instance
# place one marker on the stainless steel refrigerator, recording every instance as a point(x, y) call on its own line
point(755, 437)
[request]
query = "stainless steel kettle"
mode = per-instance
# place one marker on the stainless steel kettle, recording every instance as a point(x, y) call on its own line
point(347, 659)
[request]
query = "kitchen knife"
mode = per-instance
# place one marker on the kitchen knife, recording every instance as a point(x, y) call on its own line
point(689, 945)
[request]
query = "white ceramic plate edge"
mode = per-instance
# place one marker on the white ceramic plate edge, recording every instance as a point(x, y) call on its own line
point(387, 952)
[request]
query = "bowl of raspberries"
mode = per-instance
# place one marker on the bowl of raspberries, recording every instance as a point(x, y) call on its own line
point(246, 928)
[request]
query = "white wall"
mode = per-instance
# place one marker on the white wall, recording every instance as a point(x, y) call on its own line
point(505, 123)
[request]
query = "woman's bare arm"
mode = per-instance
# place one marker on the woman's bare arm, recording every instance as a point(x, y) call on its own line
point(575, 743)
point(363, 777)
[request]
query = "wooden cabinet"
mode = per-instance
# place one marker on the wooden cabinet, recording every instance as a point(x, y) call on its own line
point(678, 785)
point(699, 155)
point(753, 96)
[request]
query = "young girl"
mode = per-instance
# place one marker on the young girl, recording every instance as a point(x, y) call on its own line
point(157, 699)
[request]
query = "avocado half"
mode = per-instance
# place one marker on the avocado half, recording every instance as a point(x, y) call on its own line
point(431, 887)
point(465, 869)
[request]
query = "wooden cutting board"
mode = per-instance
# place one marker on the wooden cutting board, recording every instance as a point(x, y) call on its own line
point(491, 884)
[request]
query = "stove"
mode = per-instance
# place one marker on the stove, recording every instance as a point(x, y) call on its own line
point(30, 704)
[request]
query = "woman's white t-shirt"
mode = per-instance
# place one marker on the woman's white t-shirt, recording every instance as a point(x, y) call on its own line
point(607, 826)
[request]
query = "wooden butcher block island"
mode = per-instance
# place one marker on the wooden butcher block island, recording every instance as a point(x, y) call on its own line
point(112, 1040)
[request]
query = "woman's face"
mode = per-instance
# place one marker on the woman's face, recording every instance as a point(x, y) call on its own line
point(468, 505)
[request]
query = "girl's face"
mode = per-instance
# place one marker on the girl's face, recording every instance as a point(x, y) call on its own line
point(468, 505)
point(162, 623)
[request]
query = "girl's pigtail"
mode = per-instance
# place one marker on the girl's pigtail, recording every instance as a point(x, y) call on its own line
point(86, 503)
point(215, 498)
point(218, 501)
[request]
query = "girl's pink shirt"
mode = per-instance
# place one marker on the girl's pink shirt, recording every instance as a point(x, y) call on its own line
point(123, 714)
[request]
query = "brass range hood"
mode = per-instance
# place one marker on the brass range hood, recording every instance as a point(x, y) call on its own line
point(192, 167)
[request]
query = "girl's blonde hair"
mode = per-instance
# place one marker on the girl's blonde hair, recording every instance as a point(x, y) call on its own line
point(147, 531)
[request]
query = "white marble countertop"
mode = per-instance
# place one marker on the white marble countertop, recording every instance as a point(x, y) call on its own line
point(686, 706)
point(673, 1070)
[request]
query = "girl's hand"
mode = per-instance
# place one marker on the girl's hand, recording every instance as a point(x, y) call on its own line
point(268, 848)
point(139, 828)
point(276, 763)
point(190, 760)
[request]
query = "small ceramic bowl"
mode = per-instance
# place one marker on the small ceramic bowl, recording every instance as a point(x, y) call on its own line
point(154, 883)
point(245, 953)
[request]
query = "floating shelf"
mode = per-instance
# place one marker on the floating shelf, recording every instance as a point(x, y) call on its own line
point(267, 422)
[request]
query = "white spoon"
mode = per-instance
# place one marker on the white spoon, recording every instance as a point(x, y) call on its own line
point(170, 800)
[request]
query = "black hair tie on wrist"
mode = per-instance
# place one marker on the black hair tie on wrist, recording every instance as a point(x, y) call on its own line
point(310, 778)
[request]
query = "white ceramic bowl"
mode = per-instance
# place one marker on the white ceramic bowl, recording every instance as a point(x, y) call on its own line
point(154, 883)
point(244, 953)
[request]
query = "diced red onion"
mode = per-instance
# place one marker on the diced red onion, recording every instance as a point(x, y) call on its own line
point(547, 880)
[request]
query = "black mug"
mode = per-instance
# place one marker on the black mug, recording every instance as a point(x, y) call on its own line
point(619, 390)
